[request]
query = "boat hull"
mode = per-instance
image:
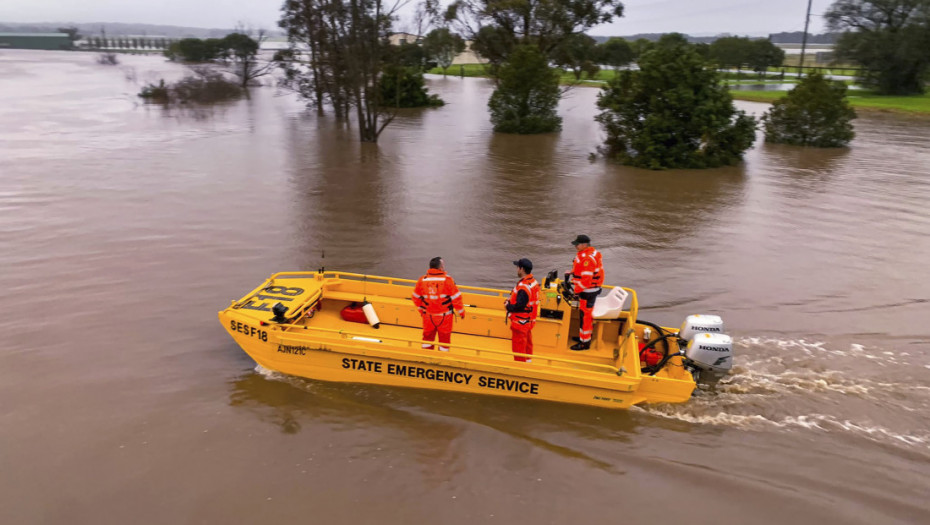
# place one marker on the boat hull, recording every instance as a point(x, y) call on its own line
point(440, 371)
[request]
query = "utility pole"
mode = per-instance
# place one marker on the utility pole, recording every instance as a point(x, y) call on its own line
point(807, 21)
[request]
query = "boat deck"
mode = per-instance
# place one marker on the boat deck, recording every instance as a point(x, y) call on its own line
point(465, 344)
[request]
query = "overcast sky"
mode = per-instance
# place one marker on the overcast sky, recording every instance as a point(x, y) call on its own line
point(696, 17)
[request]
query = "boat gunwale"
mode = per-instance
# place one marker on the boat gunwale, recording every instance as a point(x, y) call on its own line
point(282, 328)
point(633, 312)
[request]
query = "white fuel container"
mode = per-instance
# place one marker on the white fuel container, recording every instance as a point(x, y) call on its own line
point(370, 315)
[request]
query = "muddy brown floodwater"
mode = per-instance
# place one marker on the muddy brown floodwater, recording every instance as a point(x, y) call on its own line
point(123, 230)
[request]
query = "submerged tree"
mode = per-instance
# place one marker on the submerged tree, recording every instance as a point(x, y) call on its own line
point(404, 87)
point(527, 94)
point(672, 113)
point(814, 113)
point(338, 49)
point(242, 54)
point(888, 38)
point(499, 27)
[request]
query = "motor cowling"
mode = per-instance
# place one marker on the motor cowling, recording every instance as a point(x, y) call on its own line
point(711, 354)
point(700, 324)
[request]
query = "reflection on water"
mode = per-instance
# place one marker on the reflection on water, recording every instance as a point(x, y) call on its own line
point(810, 168)
point(428, 419)
point(661, 210)
point(353, 228)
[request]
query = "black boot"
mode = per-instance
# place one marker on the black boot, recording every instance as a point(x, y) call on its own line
point(582, 346)
point(576, 339)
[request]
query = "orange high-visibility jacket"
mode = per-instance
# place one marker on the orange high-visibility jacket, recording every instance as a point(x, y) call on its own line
point(436, 294)
point(527, 313)
point(587, 271)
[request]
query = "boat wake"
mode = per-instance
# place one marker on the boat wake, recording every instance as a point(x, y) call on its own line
point(800, 385)
point(815, 386)
point(817, 422)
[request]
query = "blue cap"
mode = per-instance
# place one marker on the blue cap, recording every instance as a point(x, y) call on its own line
point(581, 239)
point(524, 263)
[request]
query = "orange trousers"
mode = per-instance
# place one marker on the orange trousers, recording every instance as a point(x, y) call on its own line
point(521, 342)
point(433, 324)
point(586, 310)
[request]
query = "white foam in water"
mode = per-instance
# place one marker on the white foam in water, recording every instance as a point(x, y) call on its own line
point(269, 374)
point(815, 422)
point(765, 381)
point(814, 348)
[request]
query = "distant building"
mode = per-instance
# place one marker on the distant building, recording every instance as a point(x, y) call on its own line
point(54, 41)
point(397, 39)
point(822, 53)
point(469, 56)
point(466, 57)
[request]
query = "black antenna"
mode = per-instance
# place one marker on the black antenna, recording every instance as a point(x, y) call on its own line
point(322, 261)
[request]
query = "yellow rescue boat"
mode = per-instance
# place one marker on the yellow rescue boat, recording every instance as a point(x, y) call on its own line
point(292, 323)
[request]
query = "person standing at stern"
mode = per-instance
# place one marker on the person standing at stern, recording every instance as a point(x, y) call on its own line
point(438, 299)
point(521, 310)
point(587, 278)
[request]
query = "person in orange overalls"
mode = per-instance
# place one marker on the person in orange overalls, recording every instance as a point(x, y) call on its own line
point(437, 298)
point(521, 310)
point(587, 278)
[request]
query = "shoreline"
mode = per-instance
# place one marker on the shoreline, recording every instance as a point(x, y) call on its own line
point(913, 105)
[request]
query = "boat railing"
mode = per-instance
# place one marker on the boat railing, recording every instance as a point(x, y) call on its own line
point(384, 280)
point(414, 343)
point(633, 311)
point(360, 337)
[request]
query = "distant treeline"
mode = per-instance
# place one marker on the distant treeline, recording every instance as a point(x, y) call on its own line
point(793, 37)
point(118, 29)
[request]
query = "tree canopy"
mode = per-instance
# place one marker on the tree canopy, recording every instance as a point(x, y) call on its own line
point(338, 50)
point(764, 54)
point(241, 50)
point(616, 53)
point(72, 33)
point(672, 113)
point(542, 23)
point(442, 45)
point(404, 87)
point(500, 27)
point(527, 94)
point(577, 53)
point(737, 52)
point(238, 50)
point(814, 113)
point(888, 38)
